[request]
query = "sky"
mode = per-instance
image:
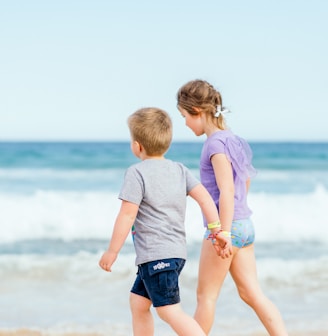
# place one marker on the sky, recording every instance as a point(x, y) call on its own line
point(74, 70)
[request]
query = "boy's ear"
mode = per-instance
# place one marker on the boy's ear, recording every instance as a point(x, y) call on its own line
point(139, 146)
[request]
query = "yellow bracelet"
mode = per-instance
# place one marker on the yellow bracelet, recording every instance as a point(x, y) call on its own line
point(226, 233)
point(213, 225)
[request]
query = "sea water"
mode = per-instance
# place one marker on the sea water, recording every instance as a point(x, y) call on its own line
point(58, 203)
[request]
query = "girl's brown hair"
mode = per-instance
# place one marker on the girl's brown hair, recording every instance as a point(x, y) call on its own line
point(199, 96)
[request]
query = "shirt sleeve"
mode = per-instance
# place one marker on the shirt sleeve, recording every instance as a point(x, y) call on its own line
point(132, 189)
point(216, 146)
point(191, 181)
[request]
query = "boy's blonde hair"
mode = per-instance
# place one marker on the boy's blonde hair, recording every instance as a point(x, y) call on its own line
point(152, 128)
point(200, 96)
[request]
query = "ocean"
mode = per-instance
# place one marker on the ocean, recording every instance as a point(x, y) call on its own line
point(58, 203)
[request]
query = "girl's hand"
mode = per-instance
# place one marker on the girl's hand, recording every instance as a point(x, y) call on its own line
point(226, 252)
point(222, 245)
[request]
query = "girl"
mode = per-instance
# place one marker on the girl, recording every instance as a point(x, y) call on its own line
point(225, 170)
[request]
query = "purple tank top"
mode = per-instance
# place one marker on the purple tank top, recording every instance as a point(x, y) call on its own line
point(239, 154)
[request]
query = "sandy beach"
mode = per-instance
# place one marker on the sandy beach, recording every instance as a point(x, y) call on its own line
point(29, 332)
point(26, 332)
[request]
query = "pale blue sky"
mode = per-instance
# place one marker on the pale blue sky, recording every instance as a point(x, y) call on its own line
point(74, 69)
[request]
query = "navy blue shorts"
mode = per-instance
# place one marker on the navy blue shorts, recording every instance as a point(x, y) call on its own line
point(158, 281)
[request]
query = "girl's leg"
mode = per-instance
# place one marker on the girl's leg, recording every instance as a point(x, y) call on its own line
point(212, 272)
point(180, 322)
point(142, 319)
point(243, 272)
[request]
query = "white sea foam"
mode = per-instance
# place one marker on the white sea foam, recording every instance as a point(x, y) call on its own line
point(90, 215)
point(49, 173)
point(291, 217)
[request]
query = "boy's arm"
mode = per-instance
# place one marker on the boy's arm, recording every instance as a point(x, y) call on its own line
point(210, 212)
point(122, 227)
point(206, 203)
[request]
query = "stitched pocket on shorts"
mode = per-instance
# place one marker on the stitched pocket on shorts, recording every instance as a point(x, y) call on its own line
point(166, 273)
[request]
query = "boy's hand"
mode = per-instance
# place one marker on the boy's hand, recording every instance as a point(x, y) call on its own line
point(107, 260)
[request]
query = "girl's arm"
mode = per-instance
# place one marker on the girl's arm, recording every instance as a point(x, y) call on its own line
point(122, 227)
point(224, 179)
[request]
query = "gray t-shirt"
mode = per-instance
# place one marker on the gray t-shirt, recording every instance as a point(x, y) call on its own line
point(160, 188)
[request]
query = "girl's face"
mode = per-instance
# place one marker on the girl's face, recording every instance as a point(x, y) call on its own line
point(194, 122)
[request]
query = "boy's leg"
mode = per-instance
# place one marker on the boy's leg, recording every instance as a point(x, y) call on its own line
point(180, 322)
point(142, 319)
point(140, 303)
point(161, 278)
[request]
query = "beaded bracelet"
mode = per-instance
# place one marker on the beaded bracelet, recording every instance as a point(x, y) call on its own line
point(212, 236)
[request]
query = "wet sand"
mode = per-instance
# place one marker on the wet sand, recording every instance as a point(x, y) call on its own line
point(30, 332)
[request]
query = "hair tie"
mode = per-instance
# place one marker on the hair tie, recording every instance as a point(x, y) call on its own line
point(219, 111)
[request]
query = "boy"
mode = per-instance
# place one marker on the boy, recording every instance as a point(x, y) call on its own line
point(153, 199)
